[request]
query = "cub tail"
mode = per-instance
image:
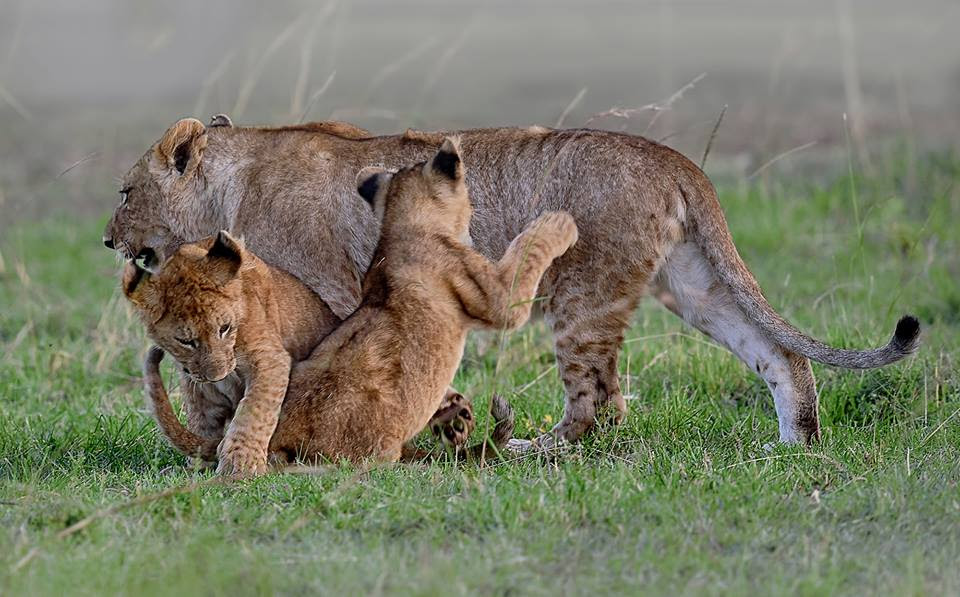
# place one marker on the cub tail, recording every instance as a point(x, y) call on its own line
point(181, 438)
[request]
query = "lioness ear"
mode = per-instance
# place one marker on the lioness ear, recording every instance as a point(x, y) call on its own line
point(134, 282)
point(446, 162)
point(220, 120)
point(225, 257)
point(181, 147)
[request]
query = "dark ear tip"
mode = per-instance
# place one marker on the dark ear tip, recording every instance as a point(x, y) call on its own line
point(368, 187)
point(224, 246)
point(446, 161)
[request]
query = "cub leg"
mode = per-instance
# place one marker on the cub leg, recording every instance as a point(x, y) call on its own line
point(453, 421)
point(451, 425)
point(501, 294)
point(243, 450)
point(688, 286)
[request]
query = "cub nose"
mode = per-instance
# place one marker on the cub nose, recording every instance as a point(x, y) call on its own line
point(108, 242)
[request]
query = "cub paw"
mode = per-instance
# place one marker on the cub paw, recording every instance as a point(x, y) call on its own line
point(453, 421)
point(560, 227)
point(241, 461)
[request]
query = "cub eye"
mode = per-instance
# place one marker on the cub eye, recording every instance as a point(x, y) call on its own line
point(224, 330)
point(123, 196)
point(187, 343)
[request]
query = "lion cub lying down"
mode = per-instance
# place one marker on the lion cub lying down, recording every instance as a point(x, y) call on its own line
point(232, 321)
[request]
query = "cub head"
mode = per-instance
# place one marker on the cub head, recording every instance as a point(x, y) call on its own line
point(152, 193)
point(192, 305)
point(430, 197)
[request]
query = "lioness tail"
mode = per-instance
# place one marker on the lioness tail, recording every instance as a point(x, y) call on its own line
point(709, 230)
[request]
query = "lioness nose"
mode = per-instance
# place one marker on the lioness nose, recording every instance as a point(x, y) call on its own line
point(108, 242)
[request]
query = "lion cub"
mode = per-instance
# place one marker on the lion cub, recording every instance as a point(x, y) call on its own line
point(452, 424)
point(191, 307)
point(372, 384)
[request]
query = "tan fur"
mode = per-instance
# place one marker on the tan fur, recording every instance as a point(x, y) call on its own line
point(344, 130)
point(373, 383)
point(452, 423)
point(220, 311)
point(635, 203)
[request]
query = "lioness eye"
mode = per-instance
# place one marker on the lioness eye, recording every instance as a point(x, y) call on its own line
point(187, 343)
point(224, 330)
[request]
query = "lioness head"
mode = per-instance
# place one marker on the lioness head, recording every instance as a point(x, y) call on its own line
point(427, 197)
point(167, 176)
point(191, 306)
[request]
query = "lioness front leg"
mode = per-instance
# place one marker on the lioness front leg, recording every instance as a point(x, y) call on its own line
point(243, 450)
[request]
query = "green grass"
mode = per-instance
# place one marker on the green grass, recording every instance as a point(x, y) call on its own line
point(682, 498)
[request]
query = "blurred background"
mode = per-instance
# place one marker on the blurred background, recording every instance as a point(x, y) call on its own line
point(87, 85)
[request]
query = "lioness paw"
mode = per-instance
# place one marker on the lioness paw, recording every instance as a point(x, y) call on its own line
point(241, 461)
point(453, 421)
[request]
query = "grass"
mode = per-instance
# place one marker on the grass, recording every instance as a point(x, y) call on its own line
point(682, 498)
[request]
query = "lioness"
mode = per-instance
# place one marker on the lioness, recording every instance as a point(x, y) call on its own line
point(649, 222)
point(372, 384)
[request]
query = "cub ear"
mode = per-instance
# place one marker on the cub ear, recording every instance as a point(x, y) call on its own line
point(134, 282)
point(220, 120)
point(181, 147)
point(446, 163)
point(372, 183)
point(225, 257)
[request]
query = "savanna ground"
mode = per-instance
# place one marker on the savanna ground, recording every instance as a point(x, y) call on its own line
point(682, 498)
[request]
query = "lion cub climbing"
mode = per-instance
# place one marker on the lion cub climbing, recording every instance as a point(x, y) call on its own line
point(371, 385)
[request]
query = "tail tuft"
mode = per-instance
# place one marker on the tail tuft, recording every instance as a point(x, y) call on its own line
point(503, 416)
point(906, 337)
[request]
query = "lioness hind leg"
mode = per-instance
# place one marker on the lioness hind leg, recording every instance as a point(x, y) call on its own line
point(588, 326)
point(688, 286)
point(453, 421)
